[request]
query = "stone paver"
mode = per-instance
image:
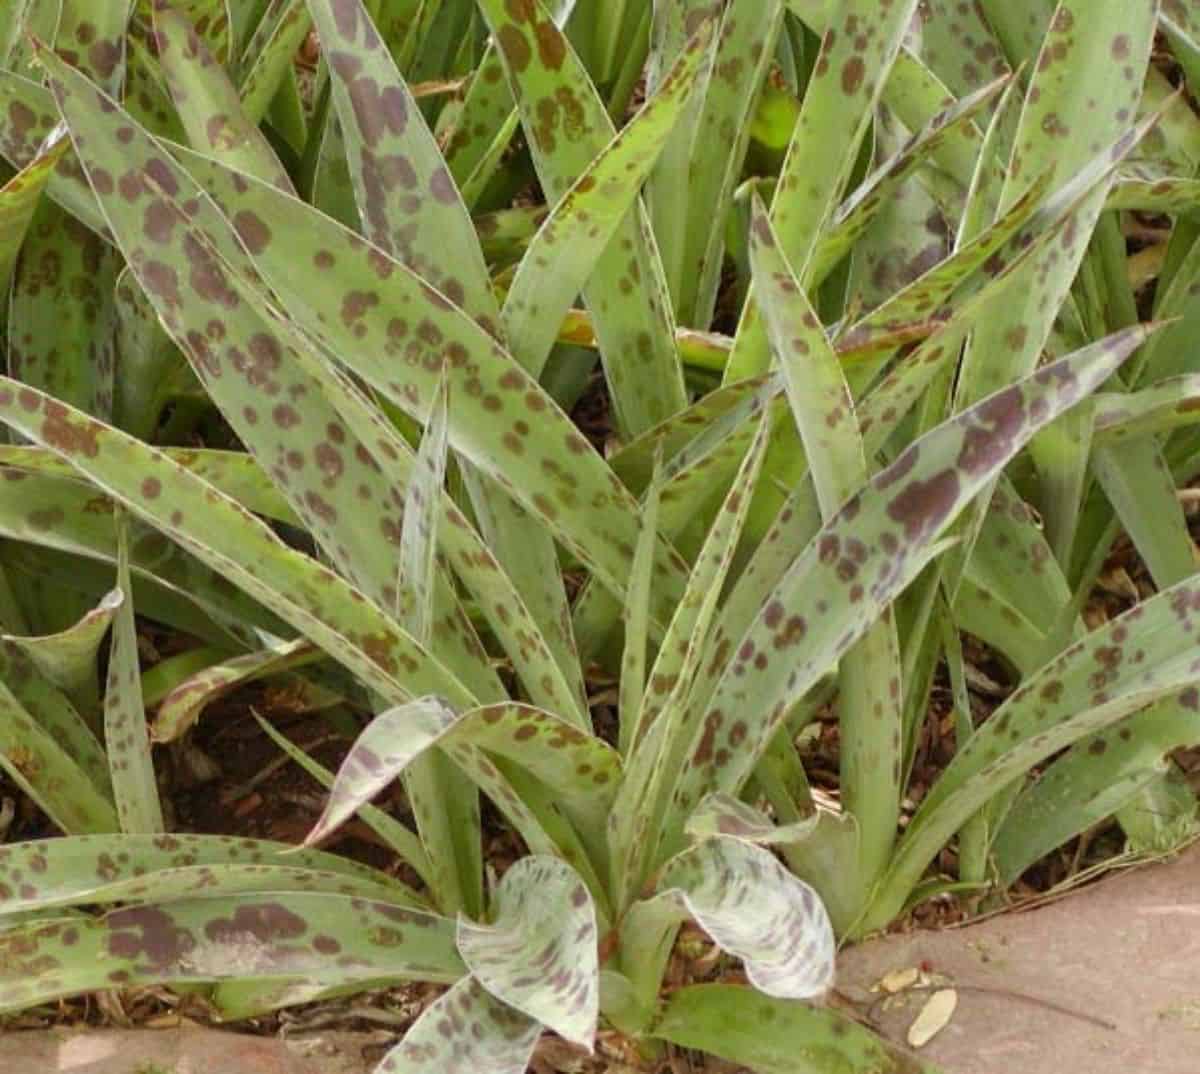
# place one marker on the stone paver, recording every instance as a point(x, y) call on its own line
point(170, 1051)
point(1125, 950)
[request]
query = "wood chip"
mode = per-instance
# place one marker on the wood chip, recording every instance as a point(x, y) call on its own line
point(934, 1016)
point(899, 980)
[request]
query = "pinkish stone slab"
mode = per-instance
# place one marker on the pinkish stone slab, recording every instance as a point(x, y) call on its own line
point(168, 1051)
point(1125, 950)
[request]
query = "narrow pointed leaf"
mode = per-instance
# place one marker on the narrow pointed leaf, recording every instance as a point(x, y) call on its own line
point(19, 198)
point(1094, 779)
point(1139, 485)
point(721, 814)
point(563, 254)
point(182, 707)
point(1082, 93)
point(37, 764)
point(390, 743)
point(409, 204)
point(1136, 659)
point(816, 387)
point(908, 507)
point(269, 54)
point(418, 534)
point(632, 686)
point(642, 798)
point(849, 76)
point(318, 602)
point(494, 398)
point(126, 735)
point(771, 1035)
point(395, 834)
point(97, 869)
point(208, 103)
point(1164, 406)
point(571, 762)
point(691, 202)
point(567, 125)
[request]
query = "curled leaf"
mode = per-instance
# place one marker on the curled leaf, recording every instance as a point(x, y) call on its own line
point(540, 955)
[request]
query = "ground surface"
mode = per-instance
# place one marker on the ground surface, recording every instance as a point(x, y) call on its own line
point(1032, 990)
point(1125, 951)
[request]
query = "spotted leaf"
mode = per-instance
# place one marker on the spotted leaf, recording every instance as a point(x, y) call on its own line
point(753, 908)
point(285, 938)
point(48, 875)
point(567, 125)
point(207, 102)
point(126, 735)
point(181, 708)
point(568, 760)
point(539, 953)
point(1144, 655)
point(907, 507)
point(68, 659)
point(465, 1031)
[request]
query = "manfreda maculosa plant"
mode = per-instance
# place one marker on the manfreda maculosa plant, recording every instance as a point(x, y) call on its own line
point(803, 514)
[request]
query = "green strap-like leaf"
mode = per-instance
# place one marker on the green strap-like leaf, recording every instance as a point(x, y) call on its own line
point(418, 535)
point(856, 213)
point(41, 767)
point(563, 255)
point(390, 743)
point(539, 955)
point(1095, 778)
point(32, 116)
point(1139, 485)
point(126, 735)
point(632, 685)
point(1161, 408)
point(771, 1035)
point(502, 422)
point(444, 802)
point(869, 706)
point(1082, 93)
point(571, 762)
point(288, 937)
point(318, 602)
point(721, 814)
point(643, 793)
point(208, 103)
point(19, 198)
point(68, 659)
point(64, 519)
point(49, 874)
point(567, 126)
point(812, 375)
point(1136, 659)
point(396, 835)
point(269, 54)
point(409, 204)
point(849, 76)
point(903, 512)
point(692, 190)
